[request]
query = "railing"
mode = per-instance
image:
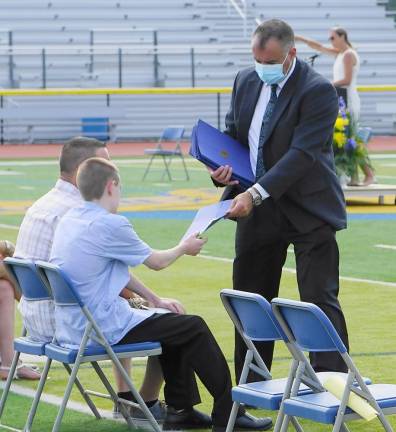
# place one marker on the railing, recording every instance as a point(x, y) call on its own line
point(242, 8)
point(29, 117)
point(119, 62)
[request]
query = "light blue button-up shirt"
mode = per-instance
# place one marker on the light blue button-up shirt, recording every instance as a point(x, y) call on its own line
point(95, 248)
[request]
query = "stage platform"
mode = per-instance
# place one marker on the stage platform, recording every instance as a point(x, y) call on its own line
point(374, 190)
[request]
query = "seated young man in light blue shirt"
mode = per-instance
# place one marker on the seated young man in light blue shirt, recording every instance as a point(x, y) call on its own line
point(95, 246)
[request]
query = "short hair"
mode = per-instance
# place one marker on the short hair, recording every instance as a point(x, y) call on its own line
point(93, 175)
point(275, 29)
point(76, 151)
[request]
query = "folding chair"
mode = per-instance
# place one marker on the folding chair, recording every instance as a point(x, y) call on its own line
point(66, 296)
point(309, 327)
point(254, 320)
point(33, 289)
point(169, 134)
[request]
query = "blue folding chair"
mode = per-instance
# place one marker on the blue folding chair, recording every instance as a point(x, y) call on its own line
point(65, 296)
point(312, 331)
point(174, 133)
point(254, 320)
point(33, 289)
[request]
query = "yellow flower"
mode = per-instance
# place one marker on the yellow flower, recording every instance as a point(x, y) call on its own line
point(339, 138)
point(339, 124)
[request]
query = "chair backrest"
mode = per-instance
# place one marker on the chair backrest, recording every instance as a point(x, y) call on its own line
point(61, 286)
point(252, 315)
point(29, 282)
point(172, 133)
point(307, 325)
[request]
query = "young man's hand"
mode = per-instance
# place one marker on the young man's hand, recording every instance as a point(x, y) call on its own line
point(192, 245)
point(170, 304)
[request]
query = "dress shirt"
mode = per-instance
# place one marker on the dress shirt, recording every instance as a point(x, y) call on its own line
point(255, 125)
point(95, 248)
point(34, 242)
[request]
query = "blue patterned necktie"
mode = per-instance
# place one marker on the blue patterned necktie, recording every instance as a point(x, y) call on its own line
point(260, 170)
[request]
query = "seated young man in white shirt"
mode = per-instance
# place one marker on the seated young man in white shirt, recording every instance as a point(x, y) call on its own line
point(106, 243)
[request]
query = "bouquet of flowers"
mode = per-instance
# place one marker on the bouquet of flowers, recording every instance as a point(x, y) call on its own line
point(350, 151)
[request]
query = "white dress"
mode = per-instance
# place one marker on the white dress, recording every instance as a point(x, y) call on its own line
point(352, 93)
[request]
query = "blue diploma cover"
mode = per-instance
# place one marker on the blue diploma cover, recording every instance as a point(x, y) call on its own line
point(214, 149)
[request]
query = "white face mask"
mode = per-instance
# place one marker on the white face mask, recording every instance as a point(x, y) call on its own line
point(270, 73)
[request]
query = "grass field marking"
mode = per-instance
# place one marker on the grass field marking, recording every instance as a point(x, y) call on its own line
point(56, 400)
point(11, 227)
point(291, 270)
point(382, 246)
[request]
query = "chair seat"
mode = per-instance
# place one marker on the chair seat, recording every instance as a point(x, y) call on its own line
point(68, 355)
point(322, 407)
point(162, 152)
point(28, 346)
point(268, 394)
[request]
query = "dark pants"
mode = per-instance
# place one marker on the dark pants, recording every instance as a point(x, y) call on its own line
point(260, 255)
point(188, 346)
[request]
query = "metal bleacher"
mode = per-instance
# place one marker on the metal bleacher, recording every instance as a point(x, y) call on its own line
point(82, 44)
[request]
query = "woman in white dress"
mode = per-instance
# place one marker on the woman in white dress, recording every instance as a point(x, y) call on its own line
point(345, 70)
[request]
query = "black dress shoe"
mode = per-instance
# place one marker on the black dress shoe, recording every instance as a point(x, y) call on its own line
point(188, 418)
point(248, 422)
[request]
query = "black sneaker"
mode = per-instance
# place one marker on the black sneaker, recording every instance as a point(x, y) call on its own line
point(158, 410)
point(188, 418)
point(247, 422)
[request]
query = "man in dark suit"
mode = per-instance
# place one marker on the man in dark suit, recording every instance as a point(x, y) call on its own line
point(284, 112)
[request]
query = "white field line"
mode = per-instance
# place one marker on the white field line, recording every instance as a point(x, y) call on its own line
point(117, 161)
point(383, 156)
point(56, 400)
point(290, 270)
point(382, 246)
point(11, 227)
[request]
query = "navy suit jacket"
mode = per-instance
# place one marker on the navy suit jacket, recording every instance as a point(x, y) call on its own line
point(298, 155)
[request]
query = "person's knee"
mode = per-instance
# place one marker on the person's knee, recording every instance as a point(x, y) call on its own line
point(199, 324)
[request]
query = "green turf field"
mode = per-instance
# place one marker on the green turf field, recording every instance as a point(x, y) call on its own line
point(161, 211)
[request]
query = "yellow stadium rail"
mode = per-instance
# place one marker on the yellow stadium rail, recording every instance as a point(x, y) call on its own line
point(152, 90)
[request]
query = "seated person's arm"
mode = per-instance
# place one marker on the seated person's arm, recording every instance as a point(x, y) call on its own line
point(138, 287)
point(160, 259)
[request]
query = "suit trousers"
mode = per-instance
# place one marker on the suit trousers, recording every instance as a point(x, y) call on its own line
point(188, 346)
point(261, 245)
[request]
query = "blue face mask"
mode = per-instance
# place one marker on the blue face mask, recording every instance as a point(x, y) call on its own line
point(271, 73)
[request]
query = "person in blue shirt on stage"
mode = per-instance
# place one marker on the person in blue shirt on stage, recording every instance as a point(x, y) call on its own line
point(95, 246)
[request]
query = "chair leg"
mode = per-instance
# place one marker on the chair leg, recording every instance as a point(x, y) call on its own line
point(72, 378)
point(7, 386)
point(37, 396)
point(148, 168)
point(112, 393)
point(135, 393)
point(167, 168)
point(232, 418)
point(86, 397)
point(185, 167)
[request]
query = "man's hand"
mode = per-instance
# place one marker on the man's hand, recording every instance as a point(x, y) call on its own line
point(241, 206)
point(223, 175)
point(170, 304)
